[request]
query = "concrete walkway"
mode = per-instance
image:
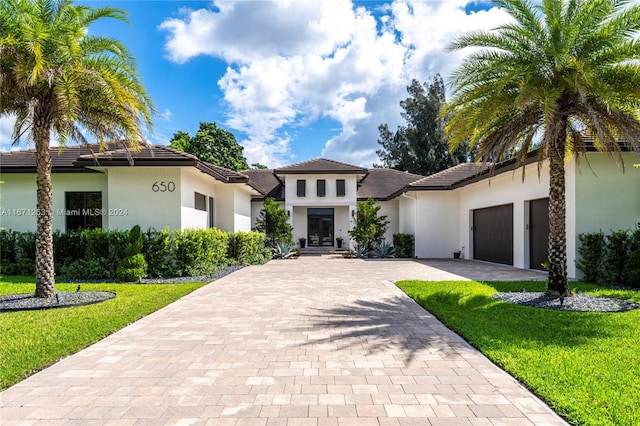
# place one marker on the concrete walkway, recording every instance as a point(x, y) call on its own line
point(312, 341)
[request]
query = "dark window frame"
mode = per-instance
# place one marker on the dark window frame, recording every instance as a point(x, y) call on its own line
point(341, 188)
point(88, 215)
point(321, 188)
point(200, 202)
point(301, 188)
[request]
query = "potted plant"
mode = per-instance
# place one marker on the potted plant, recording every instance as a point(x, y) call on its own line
point(339, 242)
point(302, 241)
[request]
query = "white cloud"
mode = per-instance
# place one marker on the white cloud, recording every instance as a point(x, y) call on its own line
point(291, 62)
point(6, 132)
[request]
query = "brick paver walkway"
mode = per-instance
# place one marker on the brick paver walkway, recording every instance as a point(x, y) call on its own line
point(312, 341)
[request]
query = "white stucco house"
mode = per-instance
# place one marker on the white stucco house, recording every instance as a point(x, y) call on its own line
point(486, 210)
point(117, 189)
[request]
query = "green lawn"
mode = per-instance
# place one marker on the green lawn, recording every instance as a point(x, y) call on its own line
point(585, 365)
point(32, 340)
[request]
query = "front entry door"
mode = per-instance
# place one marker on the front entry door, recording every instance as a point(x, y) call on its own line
point(320, 227)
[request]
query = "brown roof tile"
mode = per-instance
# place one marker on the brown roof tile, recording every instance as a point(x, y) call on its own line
point(320, 165)
point(79, 158)
point(451, 177)
point(385, 184)
point(267, 183)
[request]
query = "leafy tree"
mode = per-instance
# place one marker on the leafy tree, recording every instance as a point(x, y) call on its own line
point(274, 222)
point(180, 141)
point(421, 145)
point(213, 145)
point(559, 71)
point(57, 78)
point(369, 227)
point(259, 166)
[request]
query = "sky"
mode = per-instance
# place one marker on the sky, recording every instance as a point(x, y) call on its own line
point(293, 80)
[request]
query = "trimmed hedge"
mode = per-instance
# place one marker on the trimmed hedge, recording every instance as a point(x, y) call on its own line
point(97, 254)
point(610, 260)
point(404, 245)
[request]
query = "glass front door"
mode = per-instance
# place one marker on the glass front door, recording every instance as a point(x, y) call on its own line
point(320, 227)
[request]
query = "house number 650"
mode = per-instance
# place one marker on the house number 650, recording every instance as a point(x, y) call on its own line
point(163, 186)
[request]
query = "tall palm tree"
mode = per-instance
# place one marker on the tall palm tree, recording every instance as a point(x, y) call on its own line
point(558, 71)
point(57, 78)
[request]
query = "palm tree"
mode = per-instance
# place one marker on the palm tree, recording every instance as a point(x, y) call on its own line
point(56, 78)
point(560, 71)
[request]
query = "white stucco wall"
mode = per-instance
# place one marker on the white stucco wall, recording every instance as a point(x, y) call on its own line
point(311, 199)
point(437, 233)
point(192, 181)
point(131, 189)
point(18, 198)
point(342, 205)
point(606, 197)
point(242, 208)
point(407, 213)
point(390, 209)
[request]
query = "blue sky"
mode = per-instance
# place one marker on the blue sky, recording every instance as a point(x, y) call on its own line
point(292, 79)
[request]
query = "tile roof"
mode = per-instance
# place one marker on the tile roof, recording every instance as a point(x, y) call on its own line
point(451, 177)
point(320, 165)
point(267, 183)
point(80, 158)
point(385, 184)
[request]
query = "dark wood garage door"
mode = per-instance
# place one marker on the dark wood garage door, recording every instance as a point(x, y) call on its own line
point(493, 234)
point(538, 233)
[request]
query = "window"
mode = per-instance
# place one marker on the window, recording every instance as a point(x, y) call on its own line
point(201, 202)
point(321, 186)
point(83, 210)
point(212, 210)
point(340, 188)
point(302, 188)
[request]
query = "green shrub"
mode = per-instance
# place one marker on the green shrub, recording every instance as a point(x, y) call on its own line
point(610, 260)
point(591, 250)
point(97, 254)
point(132, 267)
point(616, 256)
point(26, 246)
point(273, 221)
point(107, 247)
point(159, 252)
point(68, 247)
point(7, 252)
point(247, 248)
point(632, 276)
point(18, 252)
point(404, 245)
point(200, 252)
point(369, 228)
point(84, 269)
point(7, 246)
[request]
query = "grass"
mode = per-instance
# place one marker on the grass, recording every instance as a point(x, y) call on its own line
point(585, 365)
point(33, 340)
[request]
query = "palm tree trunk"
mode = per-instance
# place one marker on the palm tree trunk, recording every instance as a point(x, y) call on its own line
point(45, 278)
point(557, 213)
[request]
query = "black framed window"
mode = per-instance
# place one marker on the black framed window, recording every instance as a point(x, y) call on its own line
point(212, 214)
point(321, 187)
point(201, 202)
point(83, 210)
point(341, 190)
point(301, 188)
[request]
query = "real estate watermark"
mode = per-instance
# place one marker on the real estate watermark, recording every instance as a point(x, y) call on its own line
point(64, 212)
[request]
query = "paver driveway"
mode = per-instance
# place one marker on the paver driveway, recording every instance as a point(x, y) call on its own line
point(317, 340)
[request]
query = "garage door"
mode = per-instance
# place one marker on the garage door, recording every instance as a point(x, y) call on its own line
point(538, 233)
point(493, 234)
